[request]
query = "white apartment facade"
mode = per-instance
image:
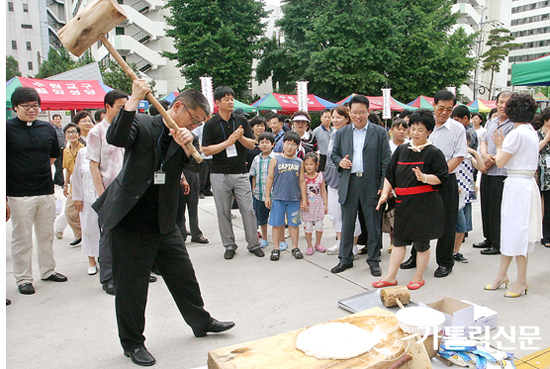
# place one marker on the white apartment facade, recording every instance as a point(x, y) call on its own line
point(31, 27)
point(140, 39)
point(530, 24)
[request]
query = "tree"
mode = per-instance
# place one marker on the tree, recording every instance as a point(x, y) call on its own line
point(58, 61)
point(343, 46)
point(12, 67)
point(115, 77)
point(499, 41)
point(218, 38)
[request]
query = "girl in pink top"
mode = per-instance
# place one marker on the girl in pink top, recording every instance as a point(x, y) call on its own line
point(317, 202)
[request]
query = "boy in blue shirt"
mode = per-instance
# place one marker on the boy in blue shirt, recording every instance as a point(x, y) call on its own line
point(258, 171)
point(287, 186)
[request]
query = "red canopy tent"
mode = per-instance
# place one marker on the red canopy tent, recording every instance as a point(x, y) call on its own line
point(62, 95)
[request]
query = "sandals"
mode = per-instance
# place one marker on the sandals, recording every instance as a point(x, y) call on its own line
point(363, 251)
point(381, 283)
point(275, 255)
point(414, 285)
point(297, 253)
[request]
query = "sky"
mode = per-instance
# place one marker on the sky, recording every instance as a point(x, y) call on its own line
point(273, 2)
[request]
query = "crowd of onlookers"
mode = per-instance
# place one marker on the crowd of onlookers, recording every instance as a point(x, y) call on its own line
point(415, 180)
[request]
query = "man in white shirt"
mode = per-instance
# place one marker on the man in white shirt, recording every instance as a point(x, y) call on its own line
point(105, 163)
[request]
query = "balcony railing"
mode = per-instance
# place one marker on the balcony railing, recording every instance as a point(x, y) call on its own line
point(141, 37)
point(141, 6)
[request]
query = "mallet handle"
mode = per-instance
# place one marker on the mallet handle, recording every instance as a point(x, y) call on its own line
point(168, 121)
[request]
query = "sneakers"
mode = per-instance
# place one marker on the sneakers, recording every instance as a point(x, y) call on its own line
point(457, 256)
point(297, 253)
point(355, 251)
point(320, 248)
point(263, 244)
point(283, 246)
point(334, 249)
point(275, 255)
point(310, 251)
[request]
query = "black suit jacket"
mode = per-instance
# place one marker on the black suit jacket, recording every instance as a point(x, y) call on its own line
point(139, 135)
point(376, 157)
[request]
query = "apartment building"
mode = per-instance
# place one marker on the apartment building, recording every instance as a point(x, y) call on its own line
point(31, 28)
point(530, 24)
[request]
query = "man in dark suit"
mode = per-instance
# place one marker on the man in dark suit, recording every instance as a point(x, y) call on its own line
point(139, 209)
point(361, 153)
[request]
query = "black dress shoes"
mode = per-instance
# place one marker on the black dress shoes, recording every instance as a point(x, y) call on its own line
point(201, 239)
point(482, 245)
point(75, 242)
point(341, 267)
point(375, 270)
point(409, 264)
point(258, 252)
point(26, 288)
point(140, 356)
point(109, 289)
point(490, 251)
point(229, 253)
point(56, 277)
point(442, 271)
point(215, 326)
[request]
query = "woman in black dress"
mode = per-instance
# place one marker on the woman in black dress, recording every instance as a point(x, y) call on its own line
point(415, 173)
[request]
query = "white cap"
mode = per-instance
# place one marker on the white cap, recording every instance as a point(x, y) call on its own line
point(300, 117)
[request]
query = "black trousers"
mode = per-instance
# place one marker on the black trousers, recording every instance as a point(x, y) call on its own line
point(204, 176)
point(445, 243)
point(192, 203)
point(491, 188)
point(133, 255)
point(373, 222)
point(546, 217)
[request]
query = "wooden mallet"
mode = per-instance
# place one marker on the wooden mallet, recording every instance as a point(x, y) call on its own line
point(91, 25)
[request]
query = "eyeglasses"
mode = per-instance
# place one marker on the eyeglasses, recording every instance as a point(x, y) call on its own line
point(29, 107)
point(194, 120)
point(71, 132)
point(358, 112)
point(290, 145)
point(442, 108)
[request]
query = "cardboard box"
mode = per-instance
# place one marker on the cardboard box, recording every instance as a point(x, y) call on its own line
point(483, 316)
point(458, 314)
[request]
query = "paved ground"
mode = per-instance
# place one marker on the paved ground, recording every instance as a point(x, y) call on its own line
point(72, 325)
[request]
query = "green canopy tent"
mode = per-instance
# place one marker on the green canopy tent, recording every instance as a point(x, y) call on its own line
point(535, 72)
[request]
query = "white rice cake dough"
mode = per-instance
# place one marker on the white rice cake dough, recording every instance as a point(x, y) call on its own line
point(335, 341)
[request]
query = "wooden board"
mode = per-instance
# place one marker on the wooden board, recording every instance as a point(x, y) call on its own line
point(280, 351)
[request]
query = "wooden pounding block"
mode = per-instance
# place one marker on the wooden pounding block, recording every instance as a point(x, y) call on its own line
point(280, 351)
point(390, 295)
point(94, 21)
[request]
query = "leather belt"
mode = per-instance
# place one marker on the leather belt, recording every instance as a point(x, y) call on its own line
point(357, 174)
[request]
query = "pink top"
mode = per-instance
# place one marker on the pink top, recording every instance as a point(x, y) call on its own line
point(316, 205)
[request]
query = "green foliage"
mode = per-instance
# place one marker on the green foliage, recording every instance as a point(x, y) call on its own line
point(58, 61)
point(218, 38)
point(115, 77)
point(499, 40)
point(12, 67)
point(342, 47)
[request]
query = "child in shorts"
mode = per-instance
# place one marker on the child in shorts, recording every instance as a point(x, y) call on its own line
point(287, 188)
point(258, 172)
point(316, 202)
